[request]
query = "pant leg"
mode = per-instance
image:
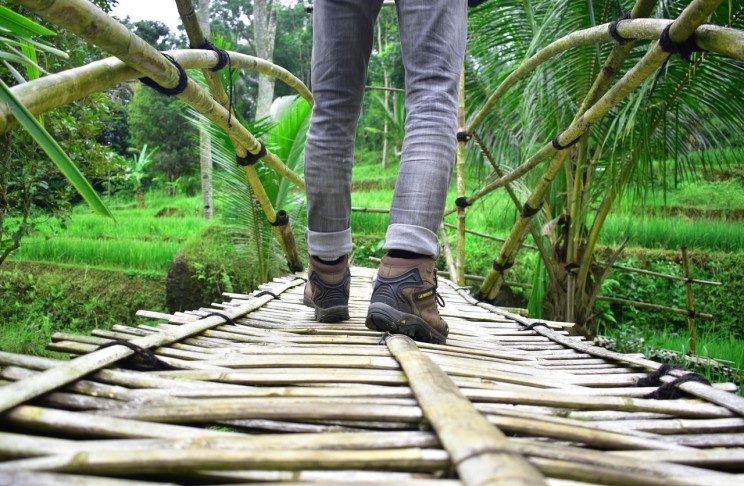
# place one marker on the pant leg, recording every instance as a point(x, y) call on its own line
point(342, 43)
point(433, 36)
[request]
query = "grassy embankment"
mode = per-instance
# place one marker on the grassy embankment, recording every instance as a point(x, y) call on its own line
point(94, 273)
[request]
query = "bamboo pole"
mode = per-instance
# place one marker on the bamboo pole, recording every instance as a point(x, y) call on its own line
point(480, 453)
point(460, 167)
point(487, 236)
point(17, 393)
point(690, 305)
point(447, 252)
point(494, 280)
point(656, 307)
point(73, 84)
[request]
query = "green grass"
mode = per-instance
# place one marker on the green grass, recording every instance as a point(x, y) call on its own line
point(674, 232)
point(137, 240)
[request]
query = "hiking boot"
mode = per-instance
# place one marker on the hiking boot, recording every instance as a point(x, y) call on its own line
point(405, 298)
point(327, 290)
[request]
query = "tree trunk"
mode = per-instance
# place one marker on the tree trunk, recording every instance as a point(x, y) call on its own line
point(264, 32)
point(205, 142)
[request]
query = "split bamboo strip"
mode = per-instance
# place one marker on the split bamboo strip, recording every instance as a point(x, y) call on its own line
point(18, 393)
point(175, 461)
point(481, 453)
point(28, 478)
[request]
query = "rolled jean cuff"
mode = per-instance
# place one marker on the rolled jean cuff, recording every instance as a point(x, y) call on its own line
point(328, 246)
point(412, 238)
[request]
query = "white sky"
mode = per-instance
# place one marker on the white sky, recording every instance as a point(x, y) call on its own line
point(162, 10)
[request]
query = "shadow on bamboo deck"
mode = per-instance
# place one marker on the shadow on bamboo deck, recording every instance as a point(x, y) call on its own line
point(258, 392)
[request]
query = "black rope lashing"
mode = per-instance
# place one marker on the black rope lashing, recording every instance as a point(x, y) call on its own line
point(222, 56)
point(557, 145)
point(282, 219)
point(684, 48)
point(183, 80)
point(251, 159)
point(528, 211)
point(691, 313)
point(654, 378)
point(463, 136)
point(462, 202)
point(671, 391)
point(501, 268)
point(228, 319)
point(474, 3)
point(142, 359)
point(534, 325)
point(613, 31)
point(266, 292)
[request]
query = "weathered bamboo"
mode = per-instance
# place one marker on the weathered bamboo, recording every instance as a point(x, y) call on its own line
point(656, 307)
point(76, 83)
point(664, 275)
point(732, 402)
point(447, 252)
point(481, 453)
point(460, 168)
point(18, 393)
point(532, 206)
point(487, 236)
point(690, 305)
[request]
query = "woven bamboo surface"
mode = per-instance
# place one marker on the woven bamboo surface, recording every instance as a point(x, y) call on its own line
point(274, 396)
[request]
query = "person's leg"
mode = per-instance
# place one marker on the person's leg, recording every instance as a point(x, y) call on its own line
point(342, 43)
point(404, 299)
point(433, 36)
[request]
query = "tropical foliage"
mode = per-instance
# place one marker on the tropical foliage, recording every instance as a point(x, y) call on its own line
point(689, 107)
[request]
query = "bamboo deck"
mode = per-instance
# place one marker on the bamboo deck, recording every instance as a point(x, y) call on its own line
point(276, 397)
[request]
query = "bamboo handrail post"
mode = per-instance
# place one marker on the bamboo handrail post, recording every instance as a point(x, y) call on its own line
point(447, 251)
point(690, 304)
point(513, 196)
point(460, 164)
point(492, 284)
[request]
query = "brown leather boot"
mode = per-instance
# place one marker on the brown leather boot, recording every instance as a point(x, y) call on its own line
point(405, 298)
point(327, 290)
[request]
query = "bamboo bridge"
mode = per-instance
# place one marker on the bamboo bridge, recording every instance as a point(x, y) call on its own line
point(253, 390)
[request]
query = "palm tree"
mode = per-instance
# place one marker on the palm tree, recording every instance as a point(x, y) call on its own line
point(687, 108)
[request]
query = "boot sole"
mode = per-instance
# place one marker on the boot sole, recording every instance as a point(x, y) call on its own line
point(382, 317)
point(336, 313)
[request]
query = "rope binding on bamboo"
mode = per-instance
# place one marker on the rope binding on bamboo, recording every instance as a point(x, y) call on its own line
point(282, 218)
point(528, 211)
point(613, 31)
point(669, 390)
point(183, 80)
point(228, 319)
point(463, 136)
point(684, 48)
point(222, 56)
point(501, 267)
point(266, 292)
point(142, 359)
point(251, 159)
point(533, 326)
point(462, 202)
point(557, 144)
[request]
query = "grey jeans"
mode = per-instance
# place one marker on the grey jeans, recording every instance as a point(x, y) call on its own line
point(433, 35)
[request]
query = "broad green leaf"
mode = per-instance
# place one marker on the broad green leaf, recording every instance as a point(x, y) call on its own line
point(21, 25)
point(54, 151)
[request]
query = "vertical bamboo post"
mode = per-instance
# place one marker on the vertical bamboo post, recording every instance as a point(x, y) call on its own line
point(690, 304)
point(447, 250)
point(461, 139)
